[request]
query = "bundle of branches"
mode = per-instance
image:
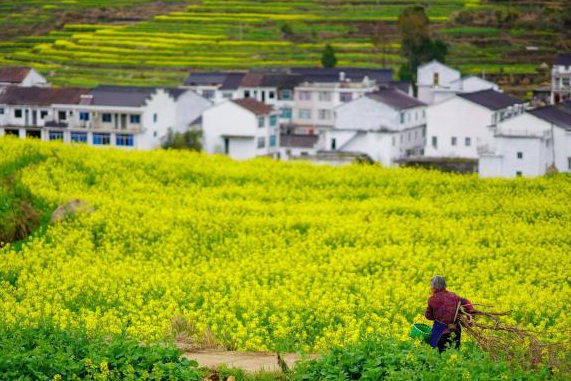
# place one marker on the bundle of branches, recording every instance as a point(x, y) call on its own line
point(524, 347)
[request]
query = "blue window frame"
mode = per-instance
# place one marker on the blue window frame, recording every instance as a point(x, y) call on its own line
point(273, 120)
point(84, 116)
point(106, 118)
point(135, 119)
point(56, 135)
point(286, 113)
point(261, 121)
point(78, 137)
point(101, 139)
point(273, 140)
point(124, 140)
point(285, 95)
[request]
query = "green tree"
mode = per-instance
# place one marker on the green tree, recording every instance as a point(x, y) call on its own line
point(416, 44)
point(328, 58)
point(190, 140)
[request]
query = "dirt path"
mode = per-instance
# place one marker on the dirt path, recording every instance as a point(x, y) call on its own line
point(250, 362)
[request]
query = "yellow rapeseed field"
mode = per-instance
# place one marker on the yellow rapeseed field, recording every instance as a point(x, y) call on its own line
point(271, 255)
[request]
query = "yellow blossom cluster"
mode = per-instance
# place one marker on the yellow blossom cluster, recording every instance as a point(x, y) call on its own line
point(270, 255)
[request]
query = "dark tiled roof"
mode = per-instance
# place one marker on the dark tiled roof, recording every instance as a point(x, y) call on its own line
point(395, 98)
point(491, 99)
point(13, 74)
point(564, 106)
point(401, 85)
point(252, 80)
point(328, 75)
point(563, 59)
point(254, 106)
point(226, 80)
point(298, 141)
point(40, 96)
point(175, 92)
point(553, 115)
point(122, 96)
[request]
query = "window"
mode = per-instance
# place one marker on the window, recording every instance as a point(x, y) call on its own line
point(155, 134)
point(135, 119)
point(101, 139)
point(569, 163)
point(323, 114)
point(1, 111)
point(402, 117)
point(62, 115)
point(565, 81)
point(435, 141)
point(261, 121)
point(246, 93)
point(43, 114)
point(518, 174)
point(304, 96)
point(324, 96)
point(225, 95)
point(408, 137)
point(261, 142)
point(304, 113)
point(17, 113)
point(436, 79)
point(84, 116)
point(394, 141)
point(345, 97)
point(155, 118)
point(520, 155)
point(56, 135)
point(285, 95)
point(273, 120)
point(271, 94)
point(286, 113)
point(124, 140)
point(79, 137)
point(208, 94)
point(454, 140)
point(273, 140)
point(333, 144)
point(106, 118)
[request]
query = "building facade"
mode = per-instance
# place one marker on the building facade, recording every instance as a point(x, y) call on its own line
point(561, 79)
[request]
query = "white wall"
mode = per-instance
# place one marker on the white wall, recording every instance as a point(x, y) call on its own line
point(425, 79)
point(189, 106)
point(34, 79)
point(457, 117)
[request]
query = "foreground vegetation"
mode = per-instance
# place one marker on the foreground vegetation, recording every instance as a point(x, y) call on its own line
point(272, 256)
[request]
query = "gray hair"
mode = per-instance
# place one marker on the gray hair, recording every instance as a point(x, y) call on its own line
point(438, 283)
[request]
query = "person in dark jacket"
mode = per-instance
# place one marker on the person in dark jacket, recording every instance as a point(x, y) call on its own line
point(443, 308)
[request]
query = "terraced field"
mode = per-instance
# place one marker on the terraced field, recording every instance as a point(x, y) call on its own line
point(239, 34)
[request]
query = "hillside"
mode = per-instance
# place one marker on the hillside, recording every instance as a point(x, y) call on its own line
point(485, 37)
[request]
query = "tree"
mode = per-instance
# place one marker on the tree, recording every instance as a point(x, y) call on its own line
point(328, 58)
point(190, 140)
point(416, 44)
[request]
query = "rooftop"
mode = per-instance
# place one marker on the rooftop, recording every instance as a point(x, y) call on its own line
point(553, 115)
point(13, 74)
point(563, 59)
point(127, 96)
point(395, 98)
point(254, 106)
point(40, 96)
point(491, 99)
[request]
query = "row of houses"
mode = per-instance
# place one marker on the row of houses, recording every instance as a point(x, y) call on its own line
point(326, 115)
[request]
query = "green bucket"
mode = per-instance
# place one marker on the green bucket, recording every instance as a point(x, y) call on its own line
point(420, 331)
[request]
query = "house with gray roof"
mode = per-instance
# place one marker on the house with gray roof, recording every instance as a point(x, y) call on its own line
point(529, 144)
point(386, 125)
point(120, 116)
point(461, 126)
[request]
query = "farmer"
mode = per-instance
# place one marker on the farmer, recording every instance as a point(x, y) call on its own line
point(443, 308)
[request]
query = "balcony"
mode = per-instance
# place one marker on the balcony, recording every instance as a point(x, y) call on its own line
point(56, 124)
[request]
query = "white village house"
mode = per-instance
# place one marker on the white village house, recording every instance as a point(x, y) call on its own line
point(22, 76)
point(387, 125)
point(437, 82)
point(241, 128)
point(529, 144)
point(126, 117)
point(459, 126)
point(561, 79)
